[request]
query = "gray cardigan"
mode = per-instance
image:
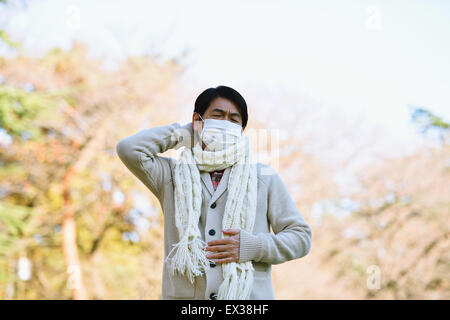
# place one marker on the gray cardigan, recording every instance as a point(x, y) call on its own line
point(291, 237)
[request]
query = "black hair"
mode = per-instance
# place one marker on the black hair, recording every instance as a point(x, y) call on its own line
point(204, 100)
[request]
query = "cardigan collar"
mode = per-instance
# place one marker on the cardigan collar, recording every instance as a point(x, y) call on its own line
point(206, 178)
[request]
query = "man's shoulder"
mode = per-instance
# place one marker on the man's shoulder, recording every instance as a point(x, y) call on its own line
point(265, 172)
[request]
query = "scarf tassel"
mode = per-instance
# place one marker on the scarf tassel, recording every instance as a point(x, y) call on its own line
point(189, 257)
point(237, 284)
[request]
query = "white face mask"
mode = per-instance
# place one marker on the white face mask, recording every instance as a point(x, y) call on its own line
point(220, 134)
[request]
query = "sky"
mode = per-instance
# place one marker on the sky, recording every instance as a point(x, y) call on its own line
point(370, 57)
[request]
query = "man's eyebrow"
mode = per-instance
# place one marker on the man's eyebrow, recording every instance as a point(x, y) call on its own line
point(233, 114)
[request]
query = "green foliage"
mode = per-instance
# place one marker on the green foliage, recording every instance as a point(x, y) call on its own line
point(428, 120)
point(12, 172)
point(4, 36)
point(11, 223)
point(20, 109)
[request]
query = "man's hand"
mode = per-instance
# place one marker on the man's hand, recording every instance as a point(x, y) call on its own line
point(225, 250)
point(183, 136)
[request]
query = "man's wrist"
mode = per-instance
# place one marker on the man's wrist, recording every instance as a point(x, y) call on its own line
point(250, 247)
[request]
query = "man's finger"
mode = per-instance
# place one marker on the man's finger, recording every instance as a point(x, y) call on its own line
point(219, 248)
point(231, 231)
point(219, 255)
point(220, 241)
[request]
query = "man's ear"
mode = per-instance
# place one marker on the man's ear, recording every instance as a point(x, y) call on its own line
point(196, 122)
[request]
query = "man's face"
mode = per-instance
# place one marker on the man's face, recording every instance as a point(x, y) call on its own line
point(219, 109)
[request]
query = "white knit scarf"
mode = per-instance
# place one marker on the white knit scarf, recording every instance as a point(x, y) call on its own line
point(240, 210)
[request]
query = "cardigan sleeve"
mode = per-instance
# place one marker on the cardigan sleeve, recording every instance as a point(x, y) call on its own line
point(139, 153)
point(292, 235)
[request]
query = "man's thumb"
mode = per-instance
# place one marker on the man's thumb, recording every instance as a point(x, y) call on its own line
point(231, 231)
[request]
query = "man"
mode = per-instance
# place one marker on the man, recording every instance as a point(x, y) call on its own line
point(217, 214)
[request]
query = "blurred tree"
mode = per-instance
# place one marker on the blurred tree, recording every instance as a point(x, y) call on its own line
point(63, 204)
point(5, 38)
point(428, 121)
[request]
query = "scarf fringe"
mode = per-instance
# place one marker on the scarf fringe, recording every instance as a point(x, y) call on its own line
point(189, 258)
point(238, 281)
